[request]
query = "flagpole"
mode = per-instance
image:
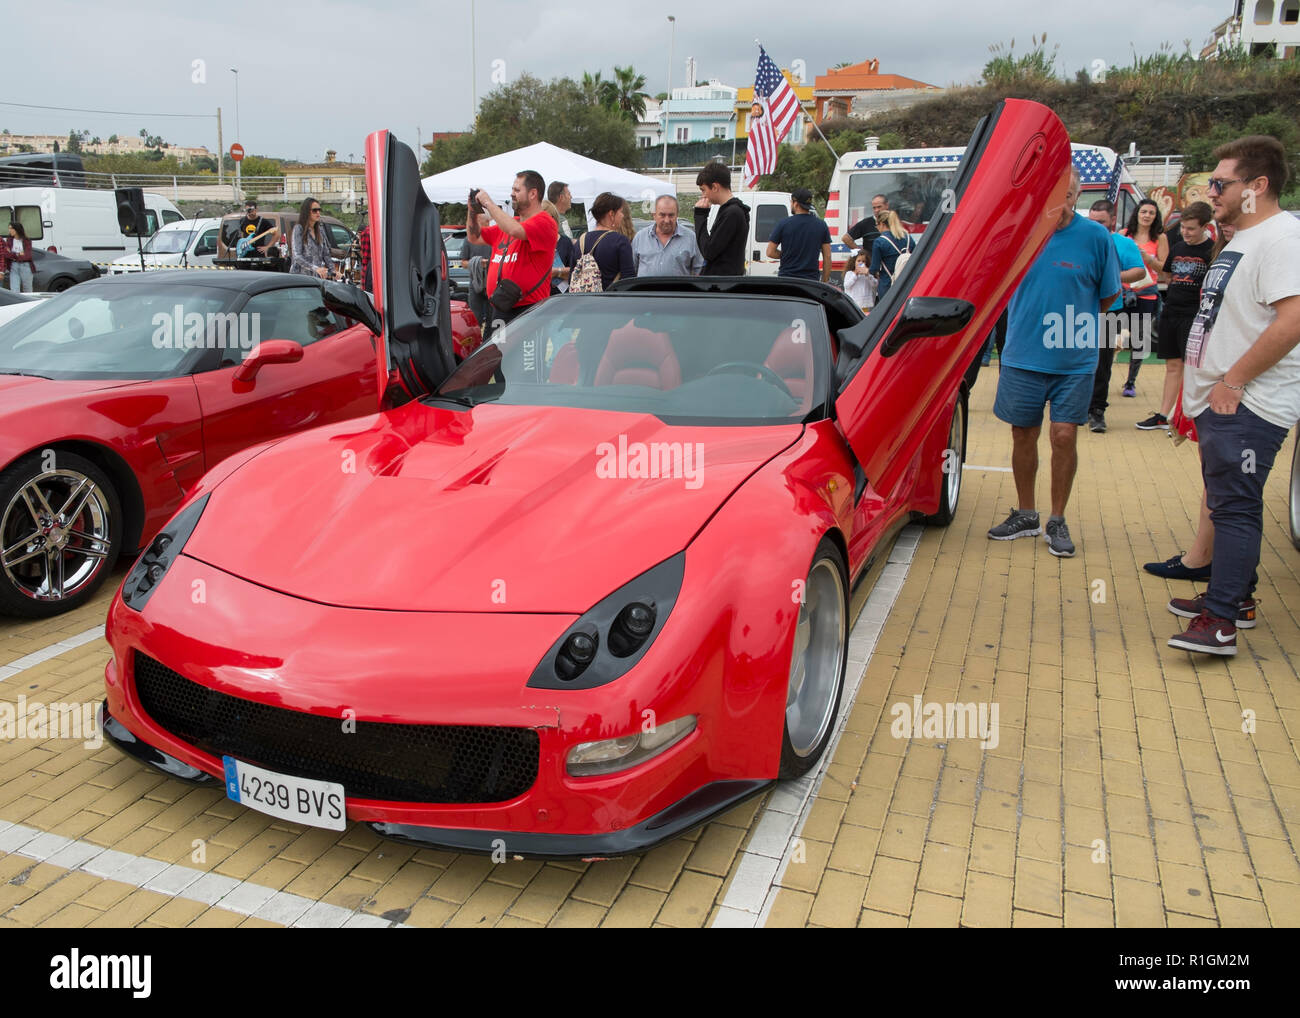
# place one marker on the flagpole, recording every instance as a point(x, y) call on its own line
point(819, 132)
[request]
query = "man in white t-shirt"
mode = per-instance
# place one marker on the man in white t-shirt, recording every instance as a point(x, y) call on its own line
point(1241, 379)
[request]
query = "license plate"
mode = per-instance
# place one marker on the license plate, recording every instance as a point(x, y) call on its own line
point(302, 800)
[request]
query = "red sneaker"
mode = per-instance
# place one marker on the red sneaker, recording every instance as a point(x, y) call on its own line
point(1190, 607)
point(1208, 635)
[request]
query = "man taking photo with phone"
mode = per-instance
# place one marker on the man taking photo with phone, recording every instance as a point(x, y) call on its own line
point(523, 248)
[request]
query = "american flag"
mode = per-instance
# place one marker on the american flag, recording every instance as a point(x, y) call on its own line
point(1112, 188)
point(780, 109)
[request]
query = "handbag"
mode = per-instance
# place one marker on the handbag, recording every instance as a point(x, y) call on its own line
point(508, 293)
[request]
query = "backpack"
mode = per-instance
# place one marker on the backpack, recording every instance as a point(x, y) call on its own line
point(902, 258)
point(586, 274)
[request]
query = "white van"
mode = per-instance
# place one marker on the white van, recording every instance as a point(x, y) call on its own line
point(913, 181)
point(190, 243)
point(766, 209)
point(77, 222)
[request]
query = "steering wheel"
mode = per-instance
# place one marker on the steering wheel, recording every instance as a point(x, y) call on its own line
point(766, 373)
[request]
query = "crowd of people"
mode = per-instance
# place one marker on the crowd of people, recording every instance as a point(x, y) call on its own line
point(1229, 334)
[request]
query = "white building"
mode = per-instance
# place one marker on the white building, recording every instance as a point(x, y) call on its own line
point(1257, 24)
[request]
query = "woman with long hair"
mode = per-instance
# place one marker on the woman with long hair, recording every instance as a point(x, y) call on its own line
point(887, 249)
point(19, 256)
point(563, 250)
point(607, 243)
point(625, 227)
point(310, 244)
point(1146, 228)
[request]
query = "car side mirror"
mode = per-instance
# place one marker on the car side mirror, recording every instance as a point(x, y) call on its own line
point(273, 351)
point(927, 316)
point(351, 301)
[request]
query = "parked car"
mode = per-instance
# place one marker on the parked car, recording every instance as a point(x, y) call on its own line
point(55, 273)
point(80, 223)
point(189, 243)
point(14, 304)
point(278, 255)
point(590, 589)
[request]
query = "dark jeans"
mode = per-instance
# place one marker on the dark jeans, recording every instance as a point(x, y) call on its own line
point(1101, 379)
point(1151, 306)
point(1237, 452)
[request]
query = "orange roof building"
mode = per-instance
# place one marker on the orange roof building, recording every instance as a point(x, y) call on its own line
point(835, 92)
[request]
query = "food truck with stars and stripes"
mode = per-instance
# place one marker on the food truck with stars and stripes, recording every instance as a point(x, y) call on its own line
point(916, 182)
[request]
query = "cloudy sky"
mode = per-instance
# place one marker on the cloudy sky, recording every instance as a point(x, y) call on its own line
point(322, 75)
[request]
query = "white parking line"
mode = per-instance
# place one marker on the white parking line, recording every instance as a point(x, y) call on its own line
point(754, 887)
point(53, 650)
point(998, 470)
point(178, 881)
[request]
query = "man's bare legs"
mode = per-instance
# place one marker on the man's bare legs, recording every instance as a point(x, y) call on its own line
point(1173, 386)
point(1065, 462)
point(1202, 549)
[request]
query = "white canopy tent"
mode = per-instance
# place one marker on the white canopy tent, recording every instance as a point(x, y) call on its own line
point(586, 178)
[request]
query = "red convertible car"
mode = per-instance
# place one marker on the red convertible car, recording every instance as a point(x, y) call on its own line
point(116, 396)
point(590, 588)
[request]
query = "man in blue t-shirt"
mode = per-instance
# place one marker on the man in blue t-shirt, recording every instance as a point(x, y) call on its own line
point(802, 238)
point(1050, 357)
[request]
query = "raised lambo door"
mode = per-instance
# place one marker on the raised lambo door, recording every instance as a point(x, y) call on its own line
point(915, 346)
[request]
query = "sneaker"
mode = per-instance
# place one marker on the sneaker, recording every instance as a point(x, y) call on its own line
point(1058, 539)
point(1190, 607)
point(1096, 422)
point(1208, 635)
point(1156, 422)
point(1021, 523)
point(1173, 569)
point(1128, 390)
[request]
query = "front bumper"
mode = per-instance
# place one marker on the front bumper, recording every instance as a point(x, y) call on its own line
point(697, 808)
point(397, 668)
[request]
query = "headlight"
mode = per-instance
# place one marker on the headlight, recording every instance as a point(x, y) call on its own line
point(610, 755)
point(613, 635)
point(163, 550)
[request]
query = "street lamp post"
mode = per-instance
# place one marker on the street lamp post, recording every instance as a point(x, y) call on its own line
point(663, 113)
point(235, 72)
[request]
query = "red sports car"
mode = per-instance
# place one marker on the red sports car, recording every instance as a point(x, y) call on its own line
point(590, 588)
point(116, 396)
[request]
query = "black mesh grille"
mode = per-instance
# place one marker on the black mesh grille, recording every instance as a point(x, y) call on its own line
point(380, 760)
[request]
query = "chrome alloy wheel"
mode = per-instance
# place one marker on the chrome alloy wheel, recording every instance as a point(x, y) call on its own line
point(953, 458)
point(55, 535)
point(817, 665)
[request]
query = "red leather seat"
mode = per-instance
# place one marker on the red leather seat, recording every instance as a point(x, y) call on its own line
point(566, 368)
point(636, 356)
point(793, 362)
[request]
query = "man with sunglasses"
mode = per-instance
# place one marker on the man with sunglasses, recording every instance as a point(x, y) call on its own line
point(1241, 380)
point(252, 226)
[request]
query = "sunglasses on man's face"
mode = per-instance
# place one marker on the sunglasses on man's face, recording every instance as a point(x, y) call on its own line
point(1216, 186)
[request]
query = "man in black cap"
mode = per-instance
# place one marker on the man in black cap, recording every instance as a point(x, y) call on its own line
point(253, 226)
point(802, 237)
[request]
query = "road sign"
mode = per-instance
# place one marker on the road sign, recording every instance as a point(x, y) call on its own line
point(237, 152)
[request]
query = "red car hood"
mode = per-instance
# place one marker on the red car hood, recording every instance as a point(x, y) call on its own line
point(499, 508)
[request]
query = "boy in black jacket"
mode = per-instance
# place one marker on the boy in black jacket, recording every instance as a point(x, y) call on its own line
point(723, 247)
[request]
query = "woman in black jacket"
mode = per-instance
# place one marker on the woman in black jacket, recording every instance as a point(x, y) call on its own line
point(606, 243)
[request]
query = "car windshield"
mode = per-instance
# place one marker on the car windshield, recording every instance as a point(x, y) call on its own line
point(103, 330)
point(710, 358)
point(170, 241)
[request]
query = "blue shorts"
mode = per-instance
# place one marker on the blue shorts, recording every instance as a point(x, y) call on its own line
point(1023, 394)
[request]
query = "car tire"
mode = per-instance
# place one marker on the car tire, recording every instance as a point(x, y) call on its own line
point(817, 663)
point(950, 467)
point(35, 581)
point(61, 283)
point(1295, 494)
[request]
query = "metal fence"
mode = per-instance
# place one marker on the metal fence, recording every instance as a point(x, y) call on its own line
point(189, 187)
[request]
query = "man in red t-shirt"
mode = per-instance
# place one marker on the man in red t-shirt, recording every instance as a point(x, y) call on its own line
point(523, 248)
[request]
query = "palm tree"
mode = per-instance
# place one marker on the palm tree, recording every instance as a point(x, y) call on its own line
point(627, 94)
point(597, 90)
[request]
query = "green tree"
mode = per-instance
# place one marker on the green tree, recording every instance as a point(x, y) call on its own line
point(528, 110)
point(112, 139)
point(628, 96)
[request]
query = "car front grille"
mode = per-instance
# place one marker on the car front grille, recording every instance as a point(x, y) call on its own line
point(379, 760)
